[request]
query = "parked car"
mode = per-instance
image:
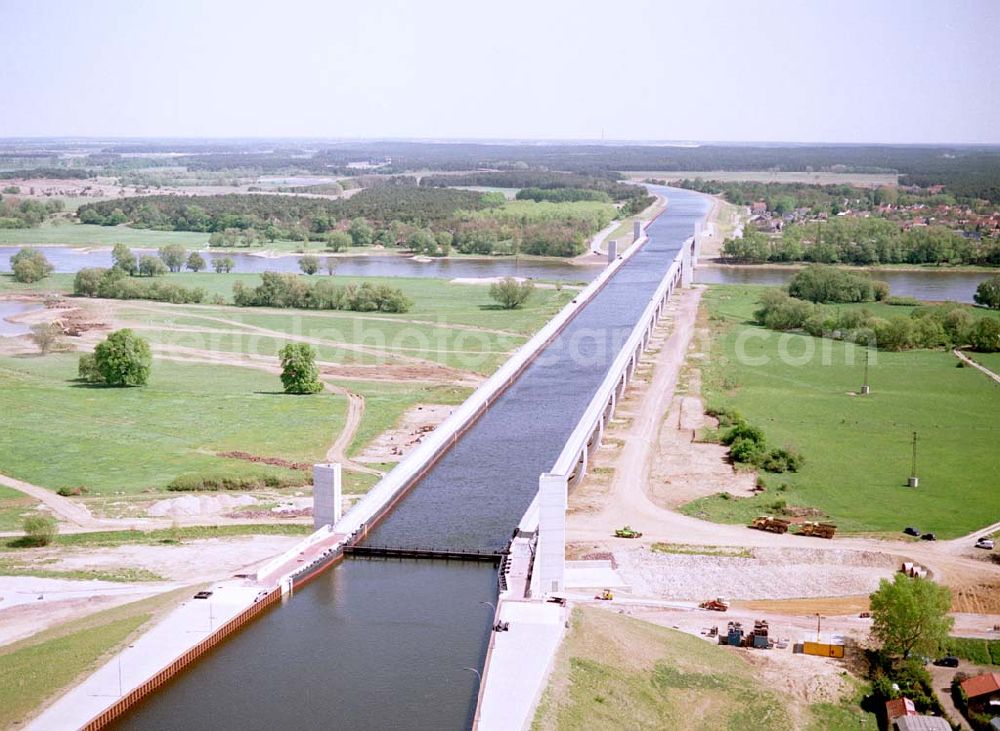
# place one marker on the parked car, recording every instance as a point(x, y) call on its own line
point(948, 661)
point(986, 543)
point(911, 531)
point(203, 595)
point(928, 537)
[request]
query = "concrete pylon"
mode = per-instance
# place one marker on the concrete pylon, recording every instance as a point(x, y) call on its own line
point(327, 494)
point(612, 250)
point(550, 556)
point(687, 274)
point(636, 229)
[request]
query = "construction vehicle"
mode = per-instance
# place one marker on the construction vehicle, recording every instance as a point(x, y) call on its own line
point(605, 595)
point(769, 523)
point(715, 605)
point(627, 532)
point(821, 530)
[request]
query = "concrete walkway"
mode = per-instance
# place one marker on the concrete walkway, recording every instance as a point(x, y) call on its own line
point(182, 629)
point(520, 664)
point(968, 361)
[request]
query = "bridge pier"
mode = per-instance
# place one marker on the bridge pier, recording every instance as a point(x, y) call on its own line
point(550, 556)
point(327, 494)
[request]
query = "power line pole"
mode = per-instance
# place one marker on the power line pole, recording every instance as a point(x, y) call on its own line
point(914, 481)
point(865, 388)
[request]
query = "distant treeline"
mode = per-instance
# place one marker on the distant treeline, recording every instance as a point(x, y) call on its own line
point(49, 173)
point(27, 212)
point(275, 214)
point(862, 241)
point(782, 198)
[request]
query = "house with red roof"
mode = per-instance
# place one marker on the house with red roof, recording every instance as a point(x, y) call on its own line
point(983, 692)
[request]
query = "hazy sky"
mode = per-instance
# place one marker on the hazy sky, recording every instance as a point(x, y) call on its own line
point(796, 70)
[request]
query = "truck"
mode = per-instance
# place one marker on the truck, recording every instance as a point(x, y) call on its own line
point(715, 605)
point(821, 530)
point(770, 523)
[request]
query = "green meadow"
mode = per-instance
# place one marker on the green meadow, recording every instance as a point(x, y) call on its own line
point(800, 391)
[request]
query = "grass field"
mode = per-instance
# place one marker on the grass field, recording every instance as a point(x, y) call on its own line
point(58, 433)
point(83, 234)
point(857, 450)
point(613, 671)
point(37, 668)
point(134, 440)
point(989, 360)
point(766, 176)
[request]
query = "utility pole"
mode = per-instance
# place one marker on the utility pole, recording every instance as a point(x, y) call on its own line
point(865, 388)
point(819, 621)
point(914, 481)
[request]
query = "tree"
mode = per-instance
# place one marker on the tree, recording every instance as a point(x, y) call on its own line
point(988, 293)
point(299, 373)
point(87, 281)
point(225, 264)
point(984, 335)
point(173, 256)
point(195, 262)
point(511, 293)
point(151, 266)
point(338, 240)
point(87, 369)
point(29, 265)
point(39, 530)
point(124, 359)
point(47, 336)
point(910, 615)
point(361, 233)
point(331, 265)
point(309, 264)
point(123, 258)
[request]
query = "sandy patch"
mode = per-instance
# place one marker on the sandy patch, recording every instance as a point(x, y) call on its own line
point(413, 427)
point(198, 505)
point(772, 573)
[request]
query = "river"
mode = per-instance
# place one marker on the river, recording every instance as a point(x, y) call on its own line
point(930, 285)
point(385, 644)
point(67, 259)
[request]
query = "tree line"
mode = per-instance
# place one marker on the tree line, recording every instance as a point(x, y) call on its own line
point(862, 241)
point(288, 290)
point(27, 212)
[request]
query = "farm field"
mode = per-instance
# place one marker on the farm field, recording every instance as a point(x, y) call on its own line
point(613, 671)
point(857, 450)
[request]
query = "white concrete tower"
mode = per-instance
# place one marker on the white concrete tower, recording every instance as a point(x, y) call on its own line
point(327, 494)
point(551, 556)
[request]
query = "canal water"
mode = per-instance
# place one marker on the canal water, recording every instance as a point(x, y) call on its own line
point(924, 285)
point(66, 259)
point(384, 644)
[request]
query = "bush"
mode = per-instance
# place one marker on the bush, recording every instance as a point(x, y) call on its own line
point(39, 530)
point(309, 264)
point(782, 460)
point(984, 336)
point(288, 290)
point(510, 293)
point(778, 311)
point(87, 370)
point(123, 359)
point(47, 336)
point(151, 266)
point(299, 374)
point(116, 284)
point(988, 293)
point(829, 284)
point(29, 265)
point(746, 451)
point(195, 482)
point(195, 262)
point(725, 415)
point(742, 430)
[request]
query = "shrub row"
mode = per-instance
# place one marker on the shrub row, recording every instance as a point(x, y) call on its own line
point(115, 283)
point(288, 290)
point(932, 326)
point(194, 482)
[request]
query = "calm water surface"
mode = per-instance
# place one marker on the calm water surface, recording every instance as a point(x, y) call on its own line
point(924, 285)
